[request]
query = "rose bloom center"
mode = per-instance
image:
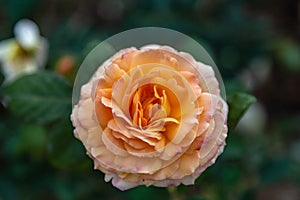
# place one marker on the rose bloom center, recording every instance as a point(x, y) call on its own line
point(153, 105)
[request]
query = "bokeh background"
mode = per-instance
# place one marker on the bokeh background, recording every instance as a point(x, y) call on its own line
point(255, 44)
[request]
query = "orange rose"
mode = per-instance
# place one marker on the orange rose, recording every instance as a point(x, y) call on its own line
point(152, 116)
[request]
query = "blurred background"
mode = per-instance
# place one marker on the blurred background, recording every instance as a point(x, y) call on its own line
point(255, 44)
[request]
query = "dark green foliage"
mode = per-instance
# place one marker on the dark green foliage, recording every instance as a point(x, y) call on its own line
point(41, 97)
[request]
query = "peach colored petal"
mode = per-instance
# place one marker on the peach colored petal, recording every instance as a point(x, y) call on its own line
point(137, 144)
point(214, 132)
point(171, 151)
point(103, 158)
point(137, 164)
point(193, 80)
point(120, 130)
point(207, 79)
point(94, 137)
point(86, 91)
point(209, 104)
point(103, 113)
point(144, 152)
point(139, 134)
point(123, 185)
point(190, 137)
point(188, 165)
point(113, 144)
point(85, 113)
point(163, 173)
point(113, 72)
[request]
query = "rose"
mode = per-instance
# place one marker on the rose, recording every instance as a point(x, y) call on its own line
point(152, 116)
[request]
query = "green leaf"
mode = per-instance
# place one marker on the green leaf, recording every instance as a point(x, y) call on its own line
point(41, 97)
point(64, 150)
point(238, 105)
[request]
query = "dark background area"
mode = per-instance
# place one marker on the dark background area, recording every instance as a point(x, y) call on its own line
point(255, 44)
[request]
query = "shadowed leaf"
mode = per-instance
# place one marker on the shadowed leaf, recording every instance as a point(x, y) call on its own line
point(41, 97)
point(238, 105)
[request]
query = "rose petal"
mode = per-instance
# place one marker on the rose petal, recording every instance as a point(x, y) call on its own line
point(113, 144)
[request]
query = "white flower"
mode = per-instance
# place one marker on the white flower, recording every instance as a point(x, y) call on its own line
point(25, 53)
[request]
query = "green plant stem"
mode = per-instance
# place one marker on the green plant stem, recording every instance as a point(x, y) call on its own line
point(174, 195)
